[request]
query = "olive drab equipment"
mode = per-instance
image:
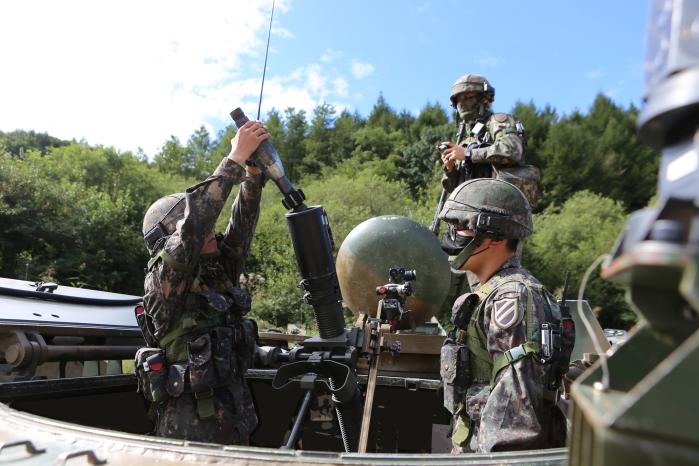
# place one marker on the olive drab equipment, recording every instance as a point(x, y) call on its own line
point(492, 208)
point(496, 209)
point(487, 128)
point(465, 359)
point(210, 344)
point(160, 220)
point(472, 83)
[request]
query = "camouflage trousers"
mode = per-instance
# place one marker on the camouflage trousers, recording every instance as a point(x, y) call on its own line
point(465, 435)
point(233, 421)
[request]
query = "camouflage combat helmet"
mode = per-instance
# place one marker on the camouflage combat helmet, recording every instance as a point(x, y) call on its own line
point(161, 219)
point(472, 83)
point(492, 208)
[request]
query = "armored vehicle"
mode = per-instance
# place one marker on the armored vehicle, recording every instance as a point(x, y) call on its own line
point(68, 395)
point(68, 388)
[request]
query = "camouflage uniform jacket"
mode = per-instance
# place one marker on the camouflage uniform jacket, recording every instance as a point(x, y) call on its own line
point(506, 149)
point(513, 413)
point(168, 288)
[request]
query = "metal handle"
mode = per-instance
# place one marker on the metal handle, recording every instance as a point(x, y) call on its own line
point(28, 445)
point(92, 457)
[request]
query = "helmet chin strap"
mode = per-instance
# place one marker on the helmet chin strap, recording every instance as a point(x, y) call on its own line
point(468, 251)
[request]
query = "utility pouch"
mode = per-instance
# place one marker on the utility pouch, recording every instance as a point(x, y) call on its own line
point(145, 325)
point(176, 377)
point(455, 374)
point(246, 340)
point(201, 368)
point(526, 177)
point(242, 302)
point(223, 353)
point(151, 372)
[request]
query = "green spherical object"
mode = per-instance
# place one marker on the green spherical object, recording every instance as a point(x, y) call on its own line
point(381, 243)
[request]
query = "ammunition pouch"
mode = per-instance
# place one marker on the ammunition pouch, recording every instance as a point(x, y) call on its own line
point(455, 374)
point(235, 301)
point(176, 379)
point(212, 360)
point(245, 340)
point(151, 372)
point(201, 364)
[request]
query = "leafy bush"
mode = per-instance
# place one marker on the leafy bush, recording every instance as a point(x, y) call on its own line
point(570, 238)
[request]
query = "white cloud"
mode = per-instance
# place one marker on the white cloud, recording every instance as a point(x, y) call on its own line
point(127, 73)
point(282, 32)
point(341, 86)
point(130, 74)
point(595, 74)
point(361, 70)
point(330, 55)
point(303, 89)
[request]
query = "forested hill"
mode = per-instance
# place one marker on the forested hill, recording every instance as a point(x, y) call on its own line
point(71, 213)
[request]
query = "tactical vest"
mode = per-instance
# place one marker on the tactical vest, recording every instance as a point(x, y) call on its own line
point(526, 177)
point(466, 361)
point(210, 344)
point(482, 367)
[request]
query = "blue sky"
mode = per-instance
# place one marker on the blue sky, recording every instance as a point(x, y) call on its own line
point(129, 74)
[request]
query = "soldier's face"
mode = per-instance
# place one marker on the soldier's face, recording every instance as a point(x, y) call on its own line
point(467, 104)
point(476, 259)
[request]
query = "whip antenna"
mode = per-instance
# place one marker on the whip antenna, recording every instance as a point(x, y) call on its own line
point(264, 69)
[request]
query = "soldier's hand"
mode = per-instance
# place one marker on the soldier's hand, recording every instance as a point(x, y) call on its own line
point(444, 148)
point(453, 153)
point(246, 140)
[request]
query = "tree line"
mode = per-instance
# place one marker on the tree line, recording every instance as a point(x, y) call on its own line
point(71, 212)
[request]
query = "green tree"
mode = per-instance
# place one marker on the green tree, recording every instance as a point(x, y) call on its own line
point(172, 157)
point(431, 116)
point(343, 192)
point(420, 158)
point(221, 147)
point(317, 147)
point(294, 152)
point(383, 116)
point(198, 150)
point(17, 143)
point(598, 152)
point(570, 238)
point(537, 123)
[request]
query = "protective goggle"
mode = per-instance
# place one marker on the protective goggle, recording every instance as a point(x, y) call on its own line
point(468, 95)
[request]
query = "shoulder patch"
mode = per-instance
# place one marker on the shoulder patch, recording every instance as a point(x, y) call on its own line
point(501, 117)
point(506, 312)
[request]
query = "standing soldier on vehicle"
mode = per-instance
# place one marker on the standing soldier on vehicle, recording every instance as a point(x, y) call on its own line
point(489, 145)
point(200, 343)
point(502, 364)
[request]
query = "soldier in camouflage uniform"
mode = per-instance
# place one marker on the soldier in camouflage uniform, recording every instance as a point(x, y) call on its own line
point(499, 367)
point(201, 343)
point(490, 145)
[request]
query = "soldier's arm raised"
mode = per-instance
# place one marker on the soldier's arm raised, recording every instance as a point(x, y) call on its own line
point(205, 200)
point(244, 214)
